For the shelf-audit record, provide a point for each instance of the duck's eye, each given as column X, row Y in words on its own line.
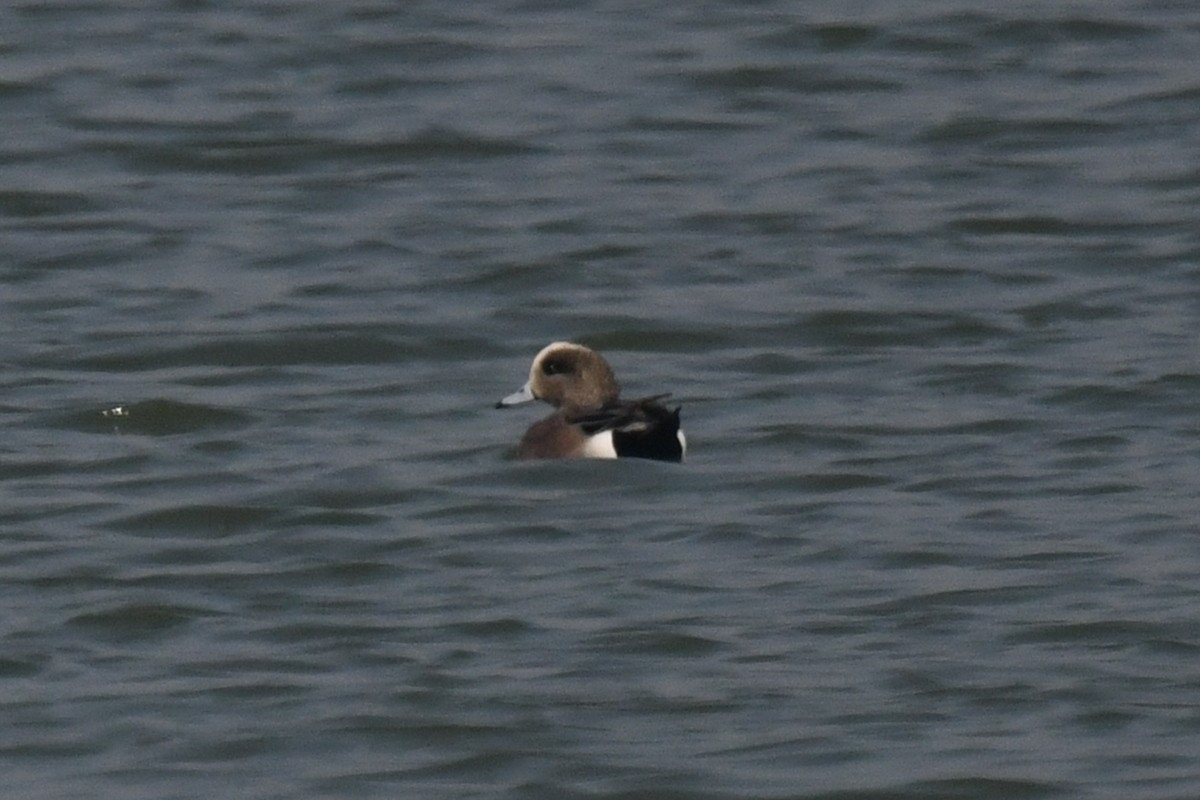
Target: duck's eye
column 555, row 367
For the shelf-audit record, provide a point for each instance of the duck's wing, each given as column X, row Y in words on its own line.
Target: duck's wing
column 628, row 415
column 642, row 428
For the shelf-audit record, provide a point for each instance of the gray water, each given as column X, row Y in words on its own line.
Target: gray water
column 924, row 276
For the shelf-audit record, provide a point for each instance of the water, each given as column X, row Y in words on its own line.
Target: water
column 924, row 277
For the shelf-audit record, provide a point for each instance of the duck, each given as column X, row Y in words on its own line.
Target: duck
column 590, row 420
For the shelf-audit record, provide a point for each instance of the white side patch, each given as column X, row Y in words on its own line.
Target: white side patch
column 600, row 446
column 682, row 443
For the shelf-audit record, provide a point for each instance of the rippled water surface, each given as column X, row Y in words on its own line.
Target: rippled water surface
column 924, row 276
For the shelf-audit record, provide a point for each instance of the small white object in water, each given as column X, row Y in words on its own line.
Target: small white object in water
column 119, row 411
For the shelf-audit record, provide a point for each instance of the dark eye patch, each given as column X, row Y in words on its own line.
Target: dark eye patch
column 556, row 366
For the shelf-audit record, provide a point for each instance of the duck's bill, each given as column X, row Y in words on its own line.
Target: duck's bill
column 523, row 396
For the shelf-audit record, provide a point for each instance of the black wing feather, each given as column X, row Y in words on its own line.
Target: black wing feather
column 643, row 428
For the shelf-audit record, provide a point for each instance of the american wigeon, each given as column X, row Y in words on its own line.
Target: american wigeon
column 590, row 420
